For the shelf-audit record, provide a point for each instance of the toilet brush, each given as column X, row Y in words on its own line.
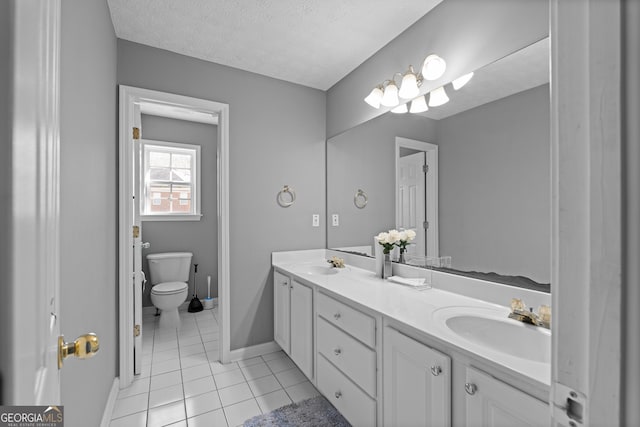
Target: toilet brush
column 195, row 305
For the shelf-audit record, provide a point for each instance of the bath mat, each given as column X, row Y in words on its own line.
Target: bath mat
column 313, row 412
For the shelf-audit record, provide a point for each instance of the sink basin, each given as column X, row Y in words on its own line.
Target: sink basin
column 492, row 329
column 320, row 270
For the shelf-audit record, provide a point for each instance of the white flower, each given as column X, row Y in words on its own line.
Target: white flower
column 394, row 236
column 382, row 237
column 410, row 235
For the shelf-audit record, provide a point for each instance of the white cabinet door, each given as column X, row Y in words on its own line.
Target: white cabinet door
column 281, row 311
column 302, row 327
column 417, row 383
column 492, row 403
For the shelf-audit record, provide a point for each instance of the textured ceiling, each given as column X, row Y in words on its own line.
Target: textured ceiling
column 311, row 42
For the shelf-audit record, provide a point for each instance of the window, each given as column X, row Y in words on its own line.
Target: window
column 170, row 187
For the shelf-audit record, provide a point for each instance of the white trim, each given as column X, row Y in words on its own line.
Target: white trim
column 128, row 97
column 254, row 351
column 111, row 403
column 586, row 209
column 431, row 151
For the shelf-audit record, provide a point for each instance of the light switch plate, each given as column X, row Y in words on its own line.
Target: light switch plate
column 335, row 220
column 315, row 221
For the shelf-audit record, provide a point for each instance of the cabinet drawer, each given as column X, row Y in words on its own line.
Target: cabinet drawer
column 352, row 357
column 358, row 324
column 354, row 404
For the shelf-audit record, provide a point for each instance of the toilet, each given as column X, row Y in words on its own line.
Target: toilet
column 169, row 276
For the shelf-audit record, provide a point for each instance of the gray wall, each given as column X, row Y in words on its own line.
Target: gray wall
column 277, row 138
column 495, row 186
column 5, row 192
column 198, row 237
column 364, row 158
column 468, row 34
column 88, row 206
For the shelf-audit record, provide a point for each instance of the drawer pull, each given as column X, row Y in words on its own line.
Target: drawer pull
column 470, row 388
column 336, row 316
column 436, row 370
column 284, row 283
column 338, row 394
column 337, row 351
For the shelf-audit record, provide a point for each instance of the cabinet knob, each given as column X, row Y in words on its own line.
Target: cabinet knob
column 284, row 283
column 336, row 316
column 337, row 351
column 338, row 394
column 436, row 370
column 470, row 388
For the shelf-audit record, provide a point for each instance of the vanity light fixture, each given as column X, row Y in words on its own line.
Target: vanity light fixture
column 438, row 97
column 461, row 81
column 400, row 109
column 418, row 105
column 387, row 93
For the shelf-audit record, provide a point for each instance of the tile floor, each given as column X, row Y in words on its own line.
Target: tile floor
column 183, row 384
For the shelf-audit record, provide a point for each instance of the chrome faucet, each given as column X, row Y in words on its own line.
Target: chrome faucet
column 520, row 313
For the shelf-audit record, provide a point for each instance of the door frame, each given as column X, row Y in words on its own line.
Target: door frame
column 431, row 187
column 128, row 97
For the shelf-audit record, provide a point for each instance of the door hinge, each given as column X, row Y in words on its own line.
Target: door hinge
column 425, row 225
column 136, row 133
column 425, row 168
column 136, row 331
column 136, row 231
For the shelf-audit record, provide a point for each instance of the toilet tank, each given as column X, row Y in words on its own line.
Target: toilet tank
column 169, row 267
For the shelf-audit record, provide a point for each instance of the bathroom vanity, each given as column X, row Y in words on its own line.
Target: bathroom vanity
column 388, row 355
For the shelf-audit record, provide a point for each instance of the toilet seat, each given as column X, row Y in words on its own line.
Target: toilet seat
column 169, row 288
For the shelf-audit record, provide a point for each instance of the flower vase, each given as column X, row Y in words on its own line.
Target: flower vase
column 386, row 268
column 401, row 259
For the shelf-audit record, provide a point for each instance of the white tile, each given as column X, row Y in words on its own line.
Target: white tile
column 202, row 403
column 276, row 355
column 217, row 367
column 291, row 377
column 209, row 419
column 199, row 386
column 234, row 394
column 240, row 412
column 165, row 345
column 138, row 386
column 130, row 405
column 206, row 337
column 226, row 379
column 188, row 350
column 301, row 391
column 195, row 372
column 254, row 372
column 194, row 360
column 182, row 423
column 135, row 420
column 166, row 366
column 213, row 356
column 250, row 362
column 167, row 414
column 165, row 395
column 274, row 400
column 264, row 385
column 212, row 345
column 165, row 380
column 145, row 371
column 161, row 356
column 279, row 365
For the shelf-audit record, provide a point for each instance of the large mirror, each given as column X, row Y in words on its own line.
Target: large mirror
column 483, row 196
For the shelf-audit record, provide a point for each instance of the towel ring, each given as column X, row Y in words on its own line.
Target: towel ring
column 286, row 197
column 360, row 199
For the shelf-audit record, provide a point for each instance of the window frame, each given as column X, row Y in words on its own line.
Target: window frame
column 196, row 182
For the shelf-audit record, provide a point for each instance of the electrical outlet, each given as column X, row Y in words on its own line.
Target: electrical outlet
column 315, row 222
column 335, row 220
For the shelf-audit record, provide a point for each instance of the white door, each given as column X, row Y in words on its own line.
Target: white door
column 417, row 383
column 302, row 327
column 136, row 262
column 412, row 213
column 492, row 403
column 281, row 311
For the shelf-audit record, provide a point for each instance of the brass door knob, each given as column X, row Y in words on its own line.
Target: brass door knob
column 84, row 347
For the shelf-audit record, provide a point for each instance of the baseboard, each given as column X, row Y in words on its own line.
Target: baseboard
column 111, row 402
column 253, row 351
column 148, row 310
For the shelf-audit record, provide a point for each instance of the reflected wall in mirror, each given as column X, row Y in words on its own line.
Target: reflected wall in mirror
column 493, row 173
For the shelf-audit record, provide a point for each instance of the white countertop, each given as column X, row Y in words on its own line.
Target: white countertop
column 414, row 308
